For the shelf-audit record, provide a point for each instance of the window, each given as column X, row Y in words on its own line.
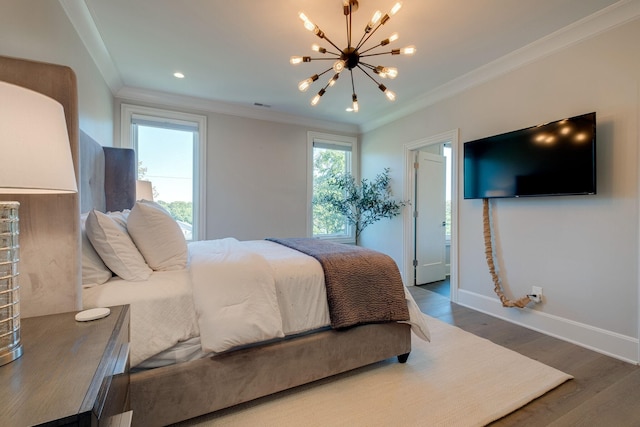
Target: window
column 170, row 151
column 330, row 155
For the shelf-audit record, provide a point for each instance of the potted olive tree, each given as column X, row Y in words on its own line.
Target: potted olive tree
column 363, row 203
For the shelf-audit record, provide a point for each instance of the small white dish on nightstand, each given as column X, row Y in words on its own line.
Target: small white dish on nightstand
column 92, row 314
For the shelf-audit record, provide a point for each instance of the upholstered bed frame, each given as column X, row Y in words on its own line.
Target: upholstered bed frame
column 174, row 393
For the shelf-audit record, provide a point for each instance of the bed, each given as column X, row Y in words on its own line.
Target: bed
column 184, row 364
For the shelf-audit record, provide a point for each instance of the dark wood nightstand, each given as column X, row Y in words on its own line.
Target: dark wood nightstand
column 71, row 373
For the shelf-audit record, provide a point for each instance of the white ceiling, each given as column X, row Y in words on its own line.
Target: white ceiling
column 236, row 52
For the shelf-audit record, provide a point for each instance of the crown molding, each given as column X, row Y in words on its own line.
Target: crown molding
column 608, row 18
column 78, row 13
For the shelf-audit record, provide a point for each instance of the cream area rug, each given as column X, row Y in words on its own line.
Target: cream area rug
column 458, row 379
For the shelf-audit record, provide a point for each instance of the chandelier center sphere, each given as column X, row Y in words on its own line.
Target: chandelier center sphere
column 351, row 57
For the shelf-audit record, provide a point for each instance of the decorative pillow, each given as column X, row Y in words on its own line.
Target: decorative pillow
column 94, row 272
column 112, row 242
column 158, row 236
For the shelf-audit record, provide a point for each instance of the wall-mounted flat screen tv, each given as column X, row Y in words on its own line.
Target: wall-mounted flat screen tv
column 553, row 159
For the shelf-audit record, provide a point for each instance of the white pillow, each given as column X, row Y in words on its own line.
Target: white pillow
column 112, row 242
column 94, row 272
column 158, row 236
column 120, row 217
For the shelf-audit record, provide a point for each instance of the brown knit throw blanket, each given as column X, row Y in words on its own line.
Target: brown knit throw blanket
column 363, row 286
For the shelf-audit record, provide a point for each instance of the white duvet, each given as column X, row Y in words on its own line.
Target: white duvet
column 233, row 293
column 236, row 290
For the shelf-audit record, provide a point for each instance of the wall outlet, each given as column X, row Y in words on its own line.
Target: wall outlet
column 536, row 294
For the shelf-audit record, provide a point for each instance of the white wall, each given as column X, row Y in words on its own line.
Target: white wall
column 257, row 178
column 583, row 250
column 40, row 31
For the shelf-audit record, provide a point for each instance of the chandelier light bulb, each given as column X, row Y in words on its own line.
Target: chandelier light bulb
column 393, row 37
column 316, row 98
column 333, row 79
column 307, row 22
column 390, row 72
column 396, row 7
column 374, row 21
column 409, row 50
column 295, row 60
column 338, row 66
column 318, row 48
column 355, row 105
column 391, row 96
column 304, row 85
column 386, row 72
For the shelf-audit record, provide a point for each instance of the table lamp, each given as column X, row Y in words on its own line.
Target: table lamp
column 36, row 159
column 144, row 190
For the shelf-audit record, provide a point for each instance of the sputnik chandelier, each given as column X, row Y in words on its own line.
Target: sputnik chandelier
column 351, row 56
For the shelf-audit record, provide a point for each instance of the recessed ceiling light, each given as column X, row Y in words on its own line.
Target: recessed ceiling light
column 178, row 75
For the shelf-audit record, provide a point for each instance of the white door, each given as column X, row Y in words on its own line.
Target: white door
column 430, row 218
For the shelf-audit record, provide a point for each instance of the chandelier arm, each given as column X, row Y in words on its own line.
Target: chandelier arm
column 323, row 59
column 353, row 86
column 360, row 43
column 371, row 48
column 368, row 36
column 347, row 20
column 330, row 53
column 376, row 54
column 332, row 43
column 325, row 71
column 368, row 75
column 371, row 67
column 327, row 52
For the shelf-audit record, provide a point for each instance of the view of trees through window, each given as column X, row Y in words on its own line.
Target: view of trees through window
column 327, row 163
column 165, row 157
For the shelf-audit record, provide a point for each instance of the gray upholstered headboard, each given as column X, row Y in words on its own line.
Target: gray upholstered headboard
column 107, row 176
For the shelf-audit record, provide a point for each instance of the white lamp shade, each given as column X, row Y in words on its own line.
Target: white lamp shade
column 144, row 190
column 35, row 154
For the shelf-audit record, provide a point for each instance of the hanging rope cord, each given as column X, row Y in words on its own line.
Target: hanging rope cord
column 488, row 252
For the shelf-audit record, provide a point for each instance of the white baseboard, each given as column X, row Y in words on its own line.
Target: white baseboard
column 606, row 342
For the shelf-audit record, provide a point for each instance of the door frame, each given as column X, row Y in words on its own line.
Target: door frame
column 410, row 148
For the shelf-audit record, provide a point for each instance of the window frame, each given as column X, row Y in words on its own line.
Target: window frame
column 329, row 139
column 159, row 115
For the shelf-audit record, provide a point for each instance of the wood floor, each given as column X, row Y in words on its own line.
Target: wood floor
column 604, row 392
